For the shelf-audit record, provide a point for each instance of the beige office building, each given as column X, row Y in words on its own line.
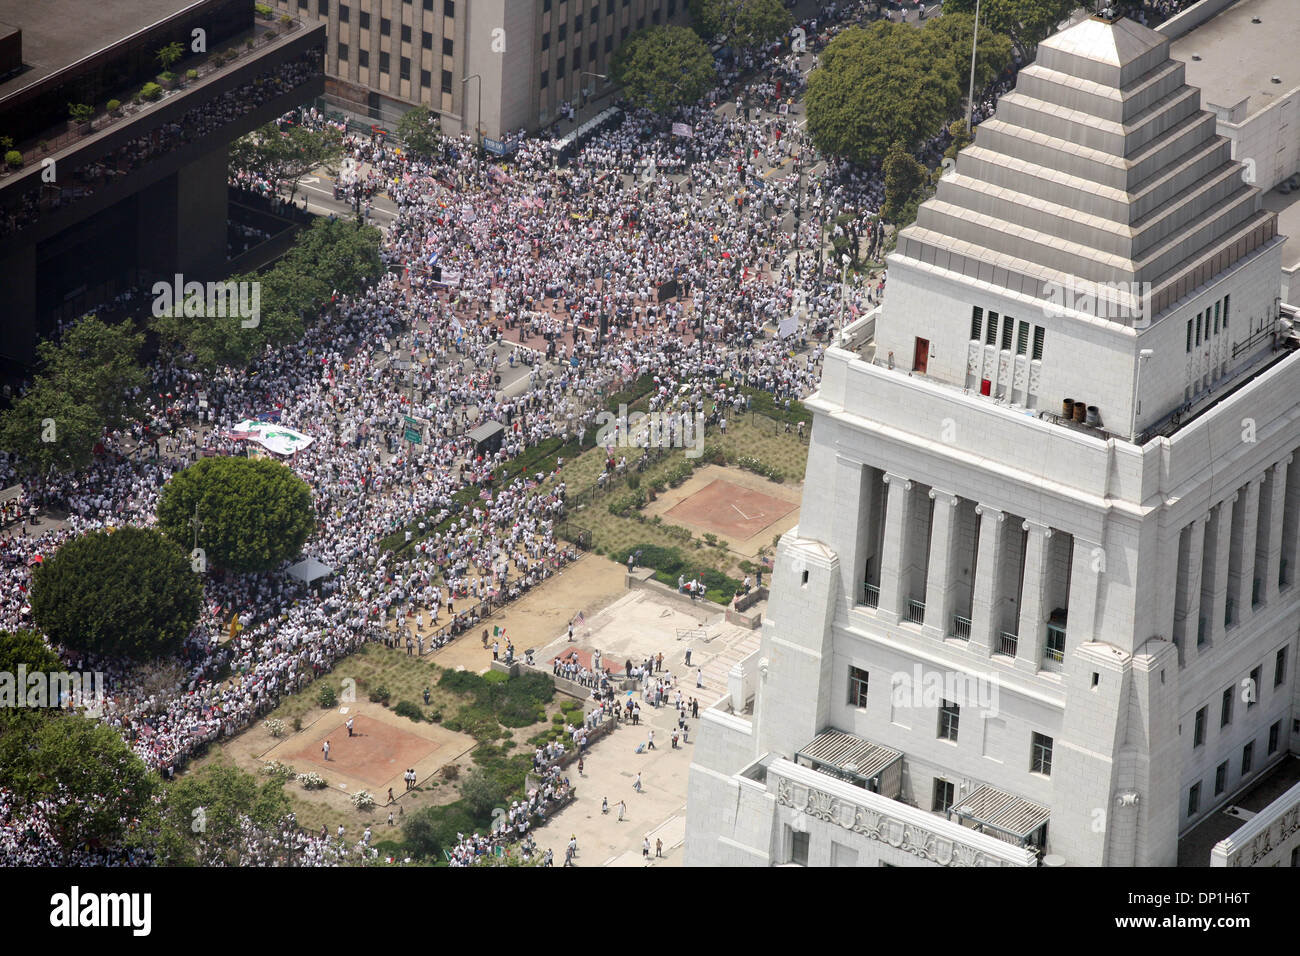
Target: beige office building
column 504, row 65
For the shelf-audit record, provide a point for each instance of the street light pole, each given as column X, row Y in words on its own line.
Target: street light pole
column 478, row 116
column 844, row 288
column 599, row 76
column 1143, row 355
column 970, row 100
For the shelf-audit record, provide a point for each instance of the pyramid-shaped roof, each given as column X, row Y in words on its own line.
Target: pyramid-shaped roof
column 1099, row 167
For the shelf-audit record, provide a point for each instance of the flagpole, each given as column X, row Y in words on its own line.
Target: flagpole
column 970, row 100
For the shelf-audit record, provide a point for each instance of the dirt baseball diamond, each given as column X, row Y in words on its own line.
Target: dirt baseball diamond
column 731, row 510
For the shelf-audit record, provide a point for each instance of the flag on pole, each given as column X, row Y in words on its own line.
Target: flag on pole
column 581, row 618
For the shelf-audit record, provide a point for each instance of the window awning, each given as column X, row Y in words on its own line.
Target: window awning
column 1005, row 813
column 853, row 758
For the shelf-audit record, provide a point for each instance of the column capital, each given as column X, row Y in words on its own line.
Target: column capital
column 943, row 496
column 1035, row 527
column 889, row 479
column 1284, row 461
column 1230, row 499
column 996, row 514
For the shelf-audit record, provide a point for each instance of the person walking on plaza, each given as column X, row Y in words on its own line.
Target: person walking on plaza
column 326, row 749
column 650, row 741
column 350, row 733
column 604, row 804
column 699, row 677
column 659, row 847
column 390, row 795
column 645, row 848
column 622, row 809
column 636, row 784
column 495, row 648
column 688, row 657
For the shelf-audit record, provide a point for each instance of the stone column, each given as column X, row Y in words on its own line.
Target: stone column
column 1087, row 571
column 938, row 586
column 1033, row 618
column 1192, row 587
column 897, row 513
column 1273, row 548
column 1219, row 595
column 1249, row 534
column 984, row 628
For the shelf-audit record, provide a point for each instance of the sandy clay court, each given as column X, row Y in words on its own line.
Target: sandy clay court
column 738, row 512
column 384, row 747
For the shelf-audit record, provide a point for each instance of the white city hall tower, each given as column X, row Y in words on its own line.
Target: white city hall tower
column 1041, row 605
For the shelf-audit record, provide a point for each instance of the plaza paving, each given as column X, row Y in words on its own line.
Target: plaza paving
column 635, row 626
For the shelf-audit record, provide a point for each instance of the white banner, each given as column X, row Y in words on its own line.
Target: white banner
column 272, row 437
column 682, row 129
column 789, row 325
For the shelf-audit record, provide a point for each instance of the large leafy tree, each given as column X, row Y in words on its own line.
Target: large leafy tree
column 87, row 381
column 746, row 23
column 418, row 130
column 330, row 256
column 1026, row 22
column 129, row 592
column 99, row 790
column 253, row 513
column 662, row 68
column 216, row 815
column 877, row 86
column 285, row 156
column 892, row 83
column 949, row 36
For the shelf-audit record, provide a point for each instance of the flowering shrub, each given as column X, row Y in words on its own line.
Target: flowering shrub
column 281, row 771
column 363, row 800
column 275, row 726
column 311, row 781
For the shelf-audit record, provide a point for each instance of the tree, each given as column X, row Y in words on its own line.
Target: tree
column 98, row 788
column 48, row 428
column 418, row 130
column 877, row 86
column 253, row 513
column 218, row 816
column 892, row 83
column 1026, row 22
column 97, row 365
column 950, row 36
column 129, row 592
column 428, row 832
column 744, row 23
column 339, row 255
column 904, row 184
column 286, row 157
column 28, row 649
column 662, row 68
column 85, row 386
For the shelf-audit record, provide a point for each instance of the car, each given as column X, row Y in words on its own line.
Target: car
column 1285, row 188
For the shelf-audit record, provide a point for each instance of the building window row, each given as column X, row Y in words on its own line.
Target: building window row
column 1206, row 324
column 987, row 322
column 1247, row 764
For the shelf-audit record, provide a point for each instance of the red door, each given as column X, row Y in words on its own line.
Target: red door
column 921, row 356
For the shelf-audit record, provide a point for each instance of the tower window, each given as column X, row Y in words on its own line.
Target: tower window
column 976, row 322
column 1039, row 332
